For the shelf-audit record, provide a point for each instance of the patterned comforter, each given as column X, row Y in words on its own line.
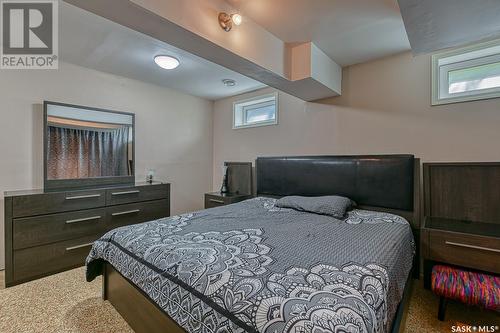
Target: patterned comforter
column 253, row 267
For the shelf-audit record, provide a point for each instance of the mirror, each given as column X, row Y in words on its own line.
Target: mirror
column 87, row 146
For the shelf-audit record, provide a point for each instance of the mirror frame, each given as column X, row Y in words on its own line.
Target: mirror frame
column 56, row 184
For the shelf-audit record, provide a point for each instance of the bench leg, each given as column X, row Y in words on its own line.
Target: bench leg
column 442, row 308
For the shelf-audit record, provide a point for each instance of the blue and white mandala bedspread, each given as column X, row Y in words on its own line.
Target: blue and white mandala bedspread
column 253, row 267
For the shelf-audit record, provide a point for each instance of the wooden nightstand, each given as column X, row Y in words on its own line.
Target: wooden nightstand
column 473, row 245
column 216, row 199
column 239, row 185
column 462, row 217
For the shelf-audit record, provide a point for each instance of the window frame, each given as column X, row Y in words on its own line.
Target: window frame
column 244, row 111
column 462, row 58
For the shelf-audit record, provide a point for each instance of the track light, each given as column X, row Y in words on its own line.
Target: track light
column 226, row 21
column 236, row 18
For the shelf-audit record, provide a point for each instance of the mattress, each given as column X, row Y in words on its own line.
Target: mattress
column 254, row 267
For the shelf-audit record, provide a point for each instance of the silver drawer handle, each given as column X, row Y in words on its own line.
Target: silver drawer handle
column 83, row 219
column 83, row 197
column 216, row 201
column 472, row 246
column 125, row 193
column 127, row 212
column 76, row 247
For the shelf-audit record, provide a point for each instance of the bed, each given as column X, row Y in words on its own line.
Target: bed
column 256, row 267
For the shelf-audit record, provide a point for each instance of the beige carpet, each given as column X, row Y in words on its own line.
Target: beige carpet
column 65, row 303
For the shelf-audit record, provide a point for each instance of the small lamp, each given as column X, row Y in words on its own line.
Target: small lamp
column 224, row 187
column 150, row 175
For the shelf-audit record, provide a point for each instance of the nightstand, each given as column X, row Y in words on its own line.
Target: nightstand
column 462, row 217
column 473, row 245
column 216, row 199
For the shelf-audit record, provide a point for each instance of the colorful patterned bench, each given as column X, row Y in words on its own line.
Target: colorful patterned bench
column 468, row 287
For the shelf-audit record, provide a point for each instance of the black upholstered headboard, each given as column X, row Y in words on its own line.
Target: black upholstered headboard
column 385, row 181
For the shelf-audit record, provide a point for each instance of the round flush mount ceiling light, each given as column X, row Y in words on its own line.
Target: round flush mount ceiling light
column 167, row 62
column 229, row 82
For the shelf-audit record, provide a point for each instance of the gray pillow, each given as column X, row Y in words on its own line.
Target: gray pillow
column 331, row 205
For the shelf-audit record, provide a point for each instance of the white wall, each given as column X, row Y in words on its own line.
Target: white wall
column 385, row 108
column 173, row 130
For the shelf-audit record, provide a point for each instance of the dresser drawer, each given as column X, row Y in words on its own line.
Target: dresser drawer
column 46, row 229
column 122, row 215
column 216, row 200
column 48, row 203
column 123, row 195
column 212, row 201
column 47, row 259
column 476, row 252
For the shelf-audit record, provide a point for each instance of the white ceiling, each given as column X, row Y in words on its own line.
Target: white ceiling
column 433, row 25
column 349, row 31
column 91, row 41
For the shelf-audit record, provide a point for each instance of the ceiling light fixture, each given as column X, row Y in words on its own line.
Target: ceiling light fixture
column 237, row 19
column 226, row 21
column 229, row 82
column 167, row 62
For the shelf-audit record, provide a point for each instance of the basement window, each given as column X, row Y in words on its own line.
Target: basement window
column 466, row 74
column 257, row 111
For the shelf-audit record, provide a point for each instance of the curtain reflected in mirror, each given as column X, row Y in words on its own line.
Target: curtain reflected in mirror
column 88, row 144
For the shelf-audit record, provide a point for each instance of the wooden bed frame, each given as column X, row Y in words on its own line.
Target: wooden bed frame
column 144, row 316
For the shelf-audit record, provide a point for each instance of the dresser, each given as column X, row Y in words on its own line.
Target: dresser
column 462, row 217
column 49, row 232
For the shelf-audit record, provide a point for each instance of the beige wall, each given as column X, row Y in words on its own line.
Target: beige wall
column 384, row 108
column 173, row 130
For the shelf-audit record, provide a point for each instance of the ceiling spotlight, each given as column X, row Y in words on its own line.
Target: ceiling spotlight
column 167, row 62
column 226, row 21
column 236, row 18
column 229, row 82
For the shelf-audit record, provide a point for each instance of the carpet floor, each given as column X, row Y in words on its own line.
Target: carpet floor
column 65, row 303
